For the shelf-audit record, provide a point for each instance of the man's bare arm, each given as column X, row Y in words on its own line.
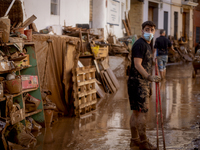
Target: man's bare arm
column 142, row 71
column 154, row 50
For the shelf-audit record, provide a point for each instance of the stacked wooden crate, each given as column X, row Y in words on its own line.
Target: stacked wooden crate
column 84, row 90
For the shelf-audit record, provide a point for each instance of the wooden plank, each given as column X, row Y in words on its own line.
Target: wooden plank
column 100, row 75
column 110, row 82
column 86, row 82
column 34, row 27
column 113, row 78
column 100, row 92
column 14, row 24
column 85, row 71
column 104, row 64
column 33, row 113
column 106, row 82
column 87, row 93
column 18, row 25
column 28, row 21
column 127, row 30
column 128, row 23
column 103, row 51
column 88, row 104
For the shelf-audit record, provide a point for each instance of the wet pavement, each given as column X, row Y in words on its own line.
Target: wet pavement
column 108, row 127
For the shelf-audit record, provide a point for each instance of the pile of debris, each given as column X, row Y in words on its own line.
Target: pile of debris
column 184, row 53
column 93, row 78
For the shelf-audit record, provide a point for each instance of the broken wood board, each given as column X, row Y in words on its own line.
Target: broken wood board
column 28, row 21
column 34, row 27
column 105, row 82
column 100, row 76
column 128, row 23
column 100, row 92
column 18, row 25
column 125, row 25
column 108, row 82
column 113, row 78
column 105, row 64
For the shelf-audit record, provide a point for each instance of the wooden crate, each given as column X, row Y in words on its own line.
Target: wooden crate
column 84, row 90
column 103, row 51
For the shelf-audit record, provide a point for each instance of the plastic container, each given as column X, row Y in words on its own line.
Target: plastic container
column 28, row 33
column 20, row 30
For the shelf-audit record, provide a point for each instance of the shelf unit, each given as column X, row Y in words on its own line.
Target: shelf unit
column 37, row 115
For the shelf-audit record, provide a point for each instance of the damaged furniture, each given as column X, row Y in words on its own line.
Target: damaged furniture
column 17, row 82
column 84, row 90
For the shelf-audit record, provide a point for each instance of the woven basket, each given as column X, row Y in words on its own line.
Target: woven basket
column 15, row 14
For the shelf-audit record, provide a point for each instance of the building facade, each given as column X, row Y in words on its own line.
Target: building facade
column 108, row 14
column 56, row 12
column 196, row 28
column 175, row 16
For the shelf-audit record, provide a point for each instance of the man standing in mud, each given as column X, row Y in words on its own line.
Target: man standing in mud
column 139, row 86
column 161, row 45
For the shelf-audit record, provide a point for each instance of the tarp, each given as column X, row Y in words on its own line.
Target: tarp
column 56, row 56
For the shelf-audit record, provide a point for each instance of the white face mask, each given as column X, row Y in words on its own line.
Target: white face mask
column 148, row 36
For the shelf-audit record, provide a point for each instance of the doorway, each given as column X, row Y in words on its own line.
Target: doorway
column 153, row 13
column 186, row 22
column 166, row 22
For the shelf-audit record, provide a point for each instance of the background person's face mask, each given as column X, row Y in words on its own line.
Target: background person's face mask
column 148, row 36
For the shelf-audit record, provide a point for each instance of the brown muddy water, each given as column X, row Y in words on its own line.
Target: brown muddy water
column 108, row 128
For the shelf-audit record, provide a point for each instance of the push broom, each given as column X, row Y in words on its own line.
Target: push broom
column 161, row 116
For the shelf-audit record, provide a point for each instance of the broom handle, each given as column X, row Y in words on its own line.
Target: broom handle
column 161, row 116
column 9, row 8
column 157, row 125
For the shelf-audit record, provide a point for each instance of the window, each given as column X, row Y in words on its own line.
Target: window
column 122, row 14
column 166, row 22
column 55, row 7
column 175, row 25
column 197, row 34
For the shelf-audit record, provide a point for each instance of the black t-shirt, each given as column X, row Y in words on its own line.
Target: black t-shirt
column 162, row 44
column 141, row 49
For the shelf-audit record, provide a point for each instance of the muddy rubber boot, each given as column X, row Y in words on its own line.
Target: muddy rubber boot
column 135, row 143
column 146, row 145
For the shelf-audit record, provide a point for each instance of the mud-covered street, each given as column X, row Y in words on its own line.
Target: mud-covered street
column 108, row 128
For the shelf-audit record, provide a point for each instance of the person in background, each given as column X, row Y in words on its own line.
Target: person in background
column 197, row 47
column 139, row 87
column 161, row 45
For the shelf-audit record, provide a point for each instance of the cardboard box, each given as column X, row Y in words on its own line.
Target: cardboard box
column 29, row 82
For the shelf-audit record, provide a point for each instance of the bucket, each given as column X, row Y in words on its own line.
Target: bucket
column 20, row 30
column 5, row 27
column 28, row 33
column 48, row 117
column 14, row 86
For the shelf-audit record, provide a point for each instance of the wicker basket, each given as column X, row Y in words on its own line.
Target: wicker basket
column 15, row 14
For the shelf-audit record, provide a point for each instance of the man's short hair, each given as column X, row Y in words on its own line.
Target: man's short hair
column 162, row 31
column 148, row 23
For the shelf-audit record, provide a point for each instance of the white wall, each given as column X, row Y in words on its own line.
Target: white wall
column 100, row 18
column 145, row 9
column 76, row 11
column 165, row 7
column 177, row 9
